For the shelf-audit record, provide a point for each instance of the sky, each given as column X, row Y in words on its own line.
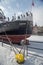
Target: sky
column 10, row 7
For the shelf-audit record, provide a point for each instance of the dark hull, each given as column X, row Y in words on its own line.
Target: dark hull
column 15, row 31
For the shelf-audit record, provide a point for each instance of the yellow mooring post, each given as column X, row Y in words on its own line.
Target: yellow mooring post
column 19, row 58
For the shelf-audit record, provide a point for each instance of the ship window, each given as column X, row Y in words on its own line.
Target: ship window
column 27, row 14
column 21, row 15
column 24, row 15
column 18, row 17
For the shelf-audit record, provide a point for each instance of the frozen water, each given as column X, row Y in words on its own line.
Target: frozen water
column 36, row 38
column 7, row 56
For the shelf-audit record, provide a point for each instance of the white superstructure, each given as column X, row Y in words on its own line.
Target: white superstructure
column 3, row 19
column 25, row 16
column 2, row 16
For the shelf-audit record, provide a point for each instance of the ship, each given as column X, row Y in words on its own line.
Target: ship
column 17, row 28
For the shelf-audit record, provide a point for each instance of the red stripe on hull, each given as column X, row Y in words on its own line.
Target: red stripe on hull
column 14, row 38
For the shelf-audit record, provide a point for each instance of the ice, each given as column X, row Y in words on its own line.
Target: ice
column 7, row 55
column 36, row 38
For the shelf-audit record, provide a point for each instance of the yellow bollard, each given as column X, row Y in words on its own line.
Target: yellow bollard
column 19, row 58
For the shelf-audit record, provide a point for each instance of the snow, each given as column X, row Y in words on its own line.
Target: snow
column 34, row 56
column 36, row 38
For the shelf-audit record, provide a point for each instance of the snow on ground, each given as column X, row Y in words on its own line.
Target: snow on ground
column 34, row 56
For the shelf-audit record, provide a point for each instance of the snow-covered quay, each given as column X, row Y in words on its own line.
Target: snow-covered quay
column 34, row 54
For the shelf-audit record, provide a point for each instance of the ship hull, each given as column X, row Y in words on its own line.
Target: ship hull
column 15, row 31
column 13, row 38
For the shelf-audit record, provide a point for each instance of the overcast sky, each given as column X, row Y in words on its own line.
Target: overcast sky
column 10, row 7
